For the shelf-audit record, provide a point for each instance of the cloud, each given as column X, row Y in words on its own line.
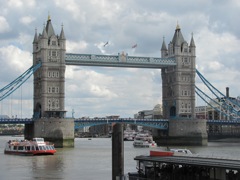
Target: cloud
column 99, row 91
column 27, row 20
column 4, row 25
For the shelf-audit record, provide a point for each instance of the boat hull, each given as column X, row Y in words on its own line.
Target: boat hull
column 30, row 153
column 161, row 153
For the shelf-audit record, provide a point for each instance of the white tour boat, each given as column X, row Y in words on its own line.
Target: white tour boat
column 144, row 140
column 25, row 147
column 181, row 151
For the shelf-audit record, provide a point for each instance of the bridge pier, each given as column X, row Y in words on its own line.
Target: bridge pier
column 186, row 132
column 60, row 131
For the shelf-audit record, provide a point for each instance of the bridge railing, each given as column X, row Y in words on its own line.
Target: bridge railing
column 154, row 123
column 16, row 121
column 120, row 60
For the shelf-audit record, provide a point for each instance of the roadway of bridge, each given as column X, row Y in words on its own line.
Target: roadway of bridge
column 107, row 121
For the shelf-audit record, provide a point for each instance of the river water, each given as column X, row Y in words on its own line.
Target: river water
column 90, row 160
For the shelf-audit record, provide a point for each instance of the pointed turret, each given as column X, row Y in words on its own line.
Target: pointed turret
column 44, row 33
column 177, row 40
column 192, row 43
column 164, row 48
column 177, row 36
column 35, row 37
column 192, row 46
column 62, row 35
column 49, row 28
column 35, row 41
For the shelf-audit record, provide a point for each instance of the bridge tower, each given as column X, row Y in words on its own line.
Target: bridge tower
column 49, row 89
column 178, row 92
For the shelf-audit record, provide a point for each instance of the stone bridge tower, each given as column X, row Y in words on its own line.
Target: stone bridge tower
column 178, row 82
column 49, row 89
column 178, row 93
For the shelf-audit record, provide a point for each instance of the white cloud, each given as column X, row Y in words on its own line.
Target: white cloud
column 27, row 20
column 14, row 59
column 4, row 25
column 76, row 46
column 21, row 3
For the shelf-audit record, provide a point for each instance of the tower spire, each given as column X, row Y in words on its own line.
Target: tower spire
column 49, row 17
column 192, row 43
column 178, row 27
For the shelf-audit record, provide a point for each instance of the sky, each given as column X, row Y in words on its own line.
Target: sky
column 89, row 24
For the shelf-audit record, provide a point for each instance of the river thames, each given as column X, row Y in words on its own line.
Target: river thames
column 90, row 160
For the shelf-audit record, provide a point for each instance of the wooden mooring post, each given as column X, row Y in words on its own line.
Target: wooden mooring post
column 117, row 152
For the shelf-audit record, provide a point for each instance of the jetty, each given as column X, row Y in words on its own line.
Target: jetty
column 186, row 167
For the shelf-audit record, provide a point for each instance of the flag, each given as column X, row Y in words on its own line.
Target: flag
column 134, row 46
column 105, row 44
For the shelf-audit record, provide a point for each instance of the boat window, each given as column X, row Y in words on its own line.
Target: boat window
column 14, row 147
column 37, row 148
column 33, row 148
column 28, row 148
column 20, row 147
column 40, row 147
column 43, row 148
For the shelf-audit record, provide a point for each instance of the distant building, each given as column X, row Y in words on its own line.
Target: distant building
column 217, row 108
column 155, row 113
column 4, row 117
column 201, row 112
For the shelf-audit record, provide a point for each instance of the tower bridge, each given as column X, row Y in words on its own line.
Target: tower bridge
column 178, row 69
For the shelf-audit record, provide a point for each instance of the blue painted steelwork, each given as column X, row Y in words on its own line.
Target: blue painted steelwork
column 17, row 121
column 223, row 122
column 199, row 92
column 229, row 107
column 120, row 60
column 80, row 123
column 14, row 85
column 154, row 123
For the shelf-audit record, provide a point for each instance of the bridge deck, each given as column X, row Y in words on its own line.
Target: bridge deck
column 120, row 60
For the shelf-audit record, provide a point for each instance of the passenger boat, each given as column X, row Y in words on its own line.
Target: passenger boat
column 181, row 151
column 25, row 147
column 129, row 135
column 144, row 140
column 171, row 152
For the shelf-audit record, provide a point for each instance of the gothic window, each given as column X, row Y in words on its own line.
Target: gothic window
column 57, row 89
column 53, row 104
column 49, row 104
column 54, row 53
column 53, row 89
column 57, row 103
column 57, row 74
column 54, row 43
column 53, row 74
column 49, row 74
column 49, row 89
